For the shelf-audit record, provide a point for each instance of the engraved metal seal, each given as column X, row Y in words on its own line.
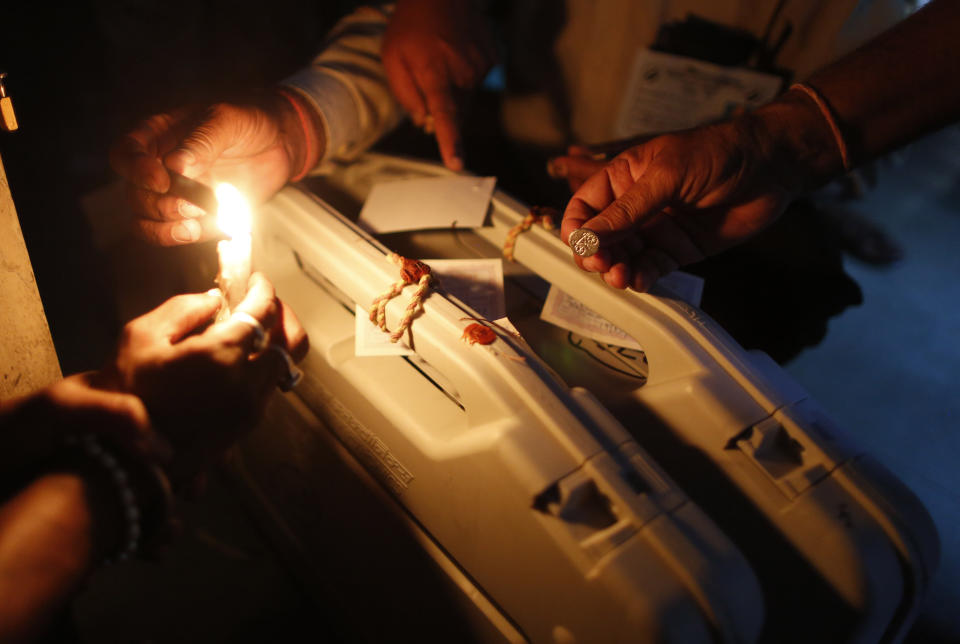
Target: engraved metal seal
column 584, row 242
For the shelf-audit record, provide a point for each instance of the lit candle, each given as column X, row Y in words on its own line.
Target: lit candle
column 234, row 219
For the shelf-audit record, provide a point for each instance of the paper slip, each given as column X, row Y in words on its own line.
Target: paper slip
column 568, row 313
column 371, row 341
column 667, row 93
column 414, row 204
column 571, row 314
column 478, row 283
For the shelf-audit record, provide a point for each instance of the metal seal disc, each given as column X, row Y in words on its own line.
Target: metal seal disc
column 584, row 242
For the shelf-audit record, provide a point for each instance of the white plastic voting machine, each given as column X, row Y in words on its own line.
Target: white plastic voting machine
column 551, row 488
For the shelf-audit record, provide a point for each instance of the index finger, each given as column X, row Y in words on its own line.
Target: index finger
column 181, row 315
column 437, row 88
column 404, row 87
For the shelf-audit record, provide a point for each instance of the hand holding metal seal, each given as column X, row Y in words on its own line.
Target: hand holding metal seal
column 584, row 242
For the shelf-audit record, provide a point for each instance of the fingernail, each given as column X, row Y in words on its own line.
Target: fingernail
column 455, row 164
column 189, row 210
column 186, row 231
column 214, row 292
column 188, row 157
column 557, row 169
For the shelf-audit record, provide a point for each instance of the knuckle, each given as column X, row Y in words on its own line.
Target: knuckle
column 154, row 232
column 272, row 310
column 157, row 124
column 619, row 215
column 221, row 112
column 621, row 167
column 133, row 332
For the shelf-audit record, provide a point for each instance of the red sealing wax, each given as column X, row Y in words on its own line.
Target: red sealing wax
column 478, row 333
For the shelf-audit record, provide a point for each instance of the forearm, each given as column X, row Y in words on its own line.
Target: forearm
column 898, row 86
column 51, row 533
column 346, row 88
column 894, row 89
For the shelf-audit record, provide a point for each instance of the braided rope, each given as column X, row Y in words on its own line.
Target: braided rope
column 413, row 307
column 378, row 309
column 411, row 272
column 541, row 214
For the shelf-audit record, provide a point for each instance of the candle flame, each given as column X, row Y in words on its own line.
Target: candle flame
column 233, row 211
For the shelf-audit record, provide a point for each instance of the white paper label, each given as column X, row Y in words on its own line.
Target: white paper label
column 371, row 341
column 416, row 204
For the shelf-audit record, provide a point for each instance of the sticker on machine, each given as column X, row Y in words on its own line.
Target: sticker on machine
column 421, row 204
column 370, row 340
column 571, row 314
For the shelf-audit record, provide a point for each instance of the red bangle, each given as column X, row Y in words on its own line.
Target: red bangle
column 305, row 125
column 829, row 118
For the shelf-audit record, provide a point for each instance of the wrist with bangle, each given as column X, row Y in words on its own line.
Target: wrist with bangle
column 801, row 146
column 829, row 118
column 302, row 132
column 140, row 495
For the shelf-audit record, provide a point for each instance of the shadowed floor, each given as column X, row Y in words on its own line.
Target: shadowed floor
column 887, row 370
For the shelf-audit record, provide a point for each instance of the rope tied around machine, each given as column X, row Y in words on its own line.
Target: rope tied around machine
column 538, row 214
column 411, row 272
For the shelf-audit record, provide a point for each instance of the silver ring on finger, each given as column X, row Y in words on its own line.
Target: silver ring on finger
column 260, row 335
column 293, row 376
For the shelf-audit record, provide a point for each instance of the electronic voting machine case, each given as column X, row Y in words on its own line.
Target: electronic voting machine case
column 536, row 490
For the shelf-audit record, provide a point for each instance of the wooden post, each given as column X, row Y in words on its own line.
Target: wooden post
column 28, row 360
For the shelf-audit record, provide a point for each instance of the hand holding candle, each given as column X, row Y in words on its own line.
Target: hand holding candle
column 234, row 219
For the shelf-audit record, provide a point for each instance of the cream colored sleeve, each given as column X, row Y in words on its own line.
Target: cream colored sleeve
column 347, row 86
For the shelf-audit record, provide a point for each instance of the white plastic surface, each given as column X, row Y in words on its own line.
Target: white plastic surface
column 813, row 490
column 542, row 498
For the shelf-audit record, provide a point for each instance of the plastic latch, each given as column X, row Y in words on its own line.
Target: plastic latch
column 785, row 459
column 576, row 499
column 586, row 513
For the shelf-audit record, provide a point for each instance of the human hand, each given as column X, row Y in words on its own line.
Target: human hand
column 583, row 161
column 38, row 424
column 676, row 199
column 256, row 147
column 205, row 384
column 431, row 49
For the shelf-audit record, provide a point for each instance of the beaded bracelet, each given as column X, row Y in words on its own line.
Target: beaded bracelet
column 121, row 478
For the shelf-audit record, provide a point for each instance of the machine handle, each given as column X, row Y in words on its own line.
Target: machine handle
column 679, row 340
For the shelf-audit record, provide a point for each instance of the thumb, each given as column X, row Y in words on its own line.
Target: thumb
column 643, row 199
column 182, row 314
column 201, row 148
column 575, row 169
